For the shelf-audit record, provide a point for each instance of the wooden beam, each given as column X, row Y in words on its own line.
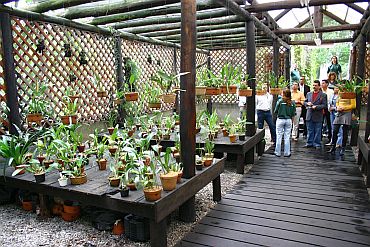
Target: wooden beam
column 199, row 29
column 318, row 18
column 290, row 4
column 85, row 27
column 44, row 6
column 356, row 8
column 365, row 30
column 177, row 25
column 304, row 22
column 155, row 20
column 187, row 83
column 334, row 17
column 360, row 73
column 282, row 13
column 165, row 9
column 208, row 33
column 320, row 29
column 9, row 73
column 325, row 41
column 236, row 9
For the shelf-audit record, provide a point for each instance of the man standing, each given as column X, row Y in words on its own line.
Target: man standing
column 329, row 94
column 315, row 102
column 304, row 89
column 263, row 107
column 298, row 98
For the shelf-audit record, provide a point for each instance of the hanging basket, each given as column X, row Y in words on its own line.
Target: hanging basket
column 232, row 89
column 168, row 98
column 245, row 92
column 69, row 119
column 34, row 118
column 347, row 95
column 102, row 94
column 260, row 92
column 74, row 97
column 132, row 96
column 275, row 91
column 200, row 90
column 157, row 105
column 212, row 91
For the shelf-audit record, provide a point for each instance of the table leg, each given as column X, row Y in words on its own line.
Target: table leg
column 216, row 183
column 187, row 210
column 158, row 233
column 240, row 163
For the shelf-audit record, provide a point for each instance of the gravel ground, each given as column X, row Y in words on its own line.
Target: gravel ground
column 21, row 228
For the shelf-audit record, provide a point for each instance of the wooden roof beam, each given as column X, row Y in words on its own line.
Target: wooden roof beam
column 176, row 25
column 236, row 9
column 334, row 17
column 319, row 29
column 356, row 8
column 282, row 13
column 325, row 41
column 44, row 6
column 221, row 32
column 290, row 4
column 155, row 11
column 304, row 22
column 365, row 30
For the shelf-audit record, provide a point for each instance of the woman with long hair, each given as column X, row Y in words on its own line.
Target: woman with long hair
column 285, row 111
column 335, row 67
column 332, row 80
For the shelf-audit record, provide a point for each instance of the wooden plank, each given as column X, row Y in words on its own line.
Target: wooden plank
column 199, row 239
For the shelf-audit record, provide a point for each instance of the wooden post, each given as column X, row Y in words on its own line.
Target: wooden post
column 209, row 101
column 9, row 72
column 251, row 70
column 318, row 18
column 353, row 59
column 287, row 64
column 118, row 57
column 275, row 69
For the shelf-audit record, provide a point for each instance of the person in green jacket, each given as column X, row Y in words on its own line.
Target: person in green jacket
column 335, row 67
column 285, row 111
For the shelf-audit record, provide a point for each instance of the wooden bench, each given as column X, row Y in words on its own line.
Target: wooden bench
column 97, row 192
column 364, row 159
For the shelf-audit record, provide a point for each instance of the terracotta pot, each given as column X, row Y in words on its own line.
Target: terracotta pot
column 155, row 105
column 102, row 164
column 39, row 178
column 232, row 89
column 152, row 194
column 27, row 205
column 81, row 148
column 69, row 217
column 57, row 209
column 21, row 172
column 365, row 89
column 260, row 92
column 112, row 149
column 71, row 209
column 232, row 138
column 275, row 91
column 110, row 130
column 47, row 163
column 168, row 98
column 209, row 155
column 102, row 94
column 169, row 181
column 225, row 133
column 347, row 95
column 114, row 182
column 147, row 160
column 179, row 176
column 79, row 180
column 212, row 91
column 118, row 228
column 200, row 90
column 69, row 119
column 131, row 186
column 34, row 118
column 132, row 96
column 41, row 158
column 245, row 92
column 131, row 133
column 208, row 161
column 118, row 101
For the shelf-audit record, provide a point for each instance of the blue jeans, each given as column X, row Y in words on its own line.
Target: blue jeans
column 314, row 133
column 283, row 127
column 266, row 116
column 340, row 135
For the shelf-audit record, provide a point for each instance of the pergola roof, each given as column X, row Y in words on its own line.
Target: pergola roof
column 218, row 26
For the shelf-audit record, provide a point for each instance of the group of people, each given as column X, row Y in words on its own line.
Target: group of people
column 321, row 108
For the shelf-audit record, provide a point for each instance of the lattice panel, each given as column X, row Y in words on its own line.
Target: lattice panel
column 3, row 117
column 263, row 62
column 367, row 72
column 282, row 51
column 53, row 68
column 161, row 58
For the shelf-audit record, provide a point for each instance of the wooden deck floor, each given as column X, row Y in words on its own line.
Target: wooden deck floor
column 309, row 199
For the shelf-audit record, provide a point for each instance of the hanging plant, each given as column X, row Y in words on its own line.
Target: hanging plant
column 40, row 46
column 159, row 62
column 72, row 77
column 83, row 58
column 67, row 50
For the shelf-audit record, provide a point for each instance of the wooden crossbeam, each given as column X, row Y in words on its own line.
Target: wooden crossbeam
column 356, row 8
column 319, row 29
column 290, row 4
column 304, row 22
column 334, row 17
column 365, row 28
column 326, row 41
column 279, row 16
column 44, row 6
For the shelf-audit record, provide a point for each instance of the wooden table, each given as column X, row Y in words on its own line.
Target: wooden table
column 97, row 192
column 363, row 159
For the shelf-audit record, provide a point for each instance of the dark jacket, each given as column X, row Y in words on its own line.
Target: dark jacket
column 321, row 102
column 306, row 90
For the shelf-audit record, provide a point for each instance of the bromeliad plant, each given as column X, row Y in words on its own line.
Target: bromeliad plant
column 33, row 167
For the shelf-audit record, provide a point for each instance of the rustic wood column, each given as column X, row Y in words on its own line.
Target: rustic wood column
column 9, row 72
column 287, row 65
column 251, row 70
column 352, row 69
column 275, row 69
column 187, row 104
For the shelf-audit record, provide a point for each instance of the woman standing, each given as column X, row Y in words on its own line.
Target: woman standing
column 343, row 118
column 333, row 113
column 335, row 67
column 332, row 80
column 285, row 111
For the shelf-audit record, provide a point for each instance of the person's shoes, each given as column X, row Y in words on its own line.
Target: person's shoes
column 317, row 147
column 287, row 155
column 341, row 152
column 277, row 155
column 338, row 146
column 329, row 144
column 307, row 146
column 332, row 150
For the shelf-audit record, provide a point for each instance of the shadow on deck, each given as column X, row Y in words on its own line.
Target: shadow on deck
column 309, row 199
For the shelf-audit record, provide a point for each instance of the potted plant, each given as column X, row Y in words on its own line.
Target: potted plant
column 124, row 189
column 100, row 151
column 244, row 89
column 168, row 177
column 166, row 82
column 62, row 180
column 212, row 84
column 149, row 184
column 260, row 88
column 35, row 168
column 241, row 128
column 152, row 97
column 349, row 88
column 37, row 106
column 112, row 121
column 200, row 88
column 276, row 84
column 232, row 133
column 69, row 111
column 76, row 171
column 132, row 74
column 229, row 78
column 115, row 177
column 101, row 92
column 226, row 124
column 208, row 156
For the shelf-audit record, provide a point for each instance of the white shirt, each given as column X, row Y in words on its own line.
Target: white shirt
column 301, row 87
column 264, row 102
column 329, row 93
column 242, row 100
